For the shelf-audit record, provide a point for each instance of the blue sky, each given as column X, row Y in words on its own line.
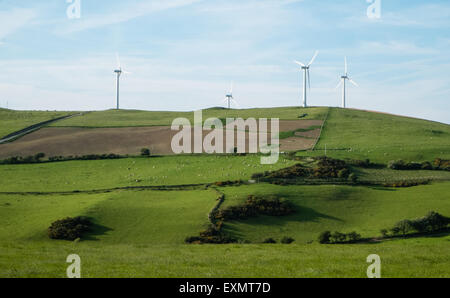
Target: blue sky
column 183, row 54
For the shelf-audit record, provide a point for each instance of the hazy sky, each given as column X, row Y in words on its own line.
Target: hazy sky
column 183, row 54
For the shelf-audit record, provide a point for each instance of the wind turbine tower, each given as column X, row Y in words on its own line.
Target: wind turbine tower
column 343, row 82
column 118, row 72
column 306, row 76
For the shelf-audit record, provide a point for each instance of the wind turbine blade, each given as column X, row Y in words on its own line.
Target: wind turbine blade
column 118, row 60
column 353, row 82
column 313, row 58
column 299, row 63
column 231, row 90
column 235, row 102
column 346, row 65
column 338, row 85
column 126, row 72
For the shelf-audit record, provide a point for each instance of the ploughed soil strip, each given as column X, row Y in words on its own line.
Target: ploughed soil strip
column 67, row 141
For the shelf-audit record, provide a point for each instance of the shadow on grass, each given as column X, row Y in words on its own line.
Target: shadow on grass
column 302, row 214
column 95, row 231
column 438, row 234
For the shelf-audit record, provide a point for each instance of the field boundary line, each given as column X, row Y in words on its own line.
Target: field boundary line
column 321, row 130
column 20, row 133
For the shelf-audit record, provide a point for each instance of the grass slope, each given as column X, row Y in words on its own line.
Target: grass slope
column 140, row 234
column 105, row 174
column 422, row 257
column 11, row 121
column 329, row 207
column 128, row 118
column 382, row 137
column 151, row 217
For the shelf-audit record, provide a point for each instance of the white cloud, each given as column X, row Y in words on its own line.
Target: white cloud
column 13, row 20
column 126, row 13
column 395, row 48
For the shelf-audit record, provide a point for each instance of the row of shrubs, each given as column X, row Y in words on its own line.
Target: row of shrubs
column 406, row 183
column 430, row 223
column 229, row 183
column 438, row 164
column 284, row 240
column 325, row 168
column 366, row 163
column 255, row 206
column 69, row 228
column 37, row 158
column 328, row 237
column 85, row 157
column 212, row 235
column 22, row 160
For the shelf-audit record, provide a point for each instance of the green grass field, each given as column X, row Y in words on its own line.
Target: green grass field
column 382, row 137
column 365, row 210
column 141, row 232
column 130, row 118
column 12, row 121
column 106, row 174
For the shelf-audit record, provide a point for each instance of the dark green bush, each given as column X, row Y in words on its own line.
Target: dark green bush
column 255, row 206
column 353, row 237
column 69, row 228
column 287, row 240
column 338, row 238
column 270, row 241
column 145, row 152
column 442, row 164
column 325, row 237
column 430, row 223
column 212, row 235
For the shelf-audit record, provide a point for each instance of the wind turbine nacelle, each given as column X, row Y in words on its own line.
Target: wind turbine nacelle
column 118, row 71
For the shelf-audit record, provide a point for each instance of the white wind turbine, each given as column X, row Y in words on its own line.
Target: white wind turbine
column 306, row 76
column 229, row 97
column 343, row 83
column 119, row 71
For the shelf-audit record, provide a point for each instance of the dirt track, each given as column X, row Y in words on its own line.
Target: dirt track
column 55, row 141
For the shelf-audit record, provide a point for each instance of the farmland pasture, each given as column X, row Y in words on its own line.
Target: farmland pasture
column 382, row 137
column 12, row 121
column 105, row 174
column 141, row 232
column 365, row 210
column 133, row 118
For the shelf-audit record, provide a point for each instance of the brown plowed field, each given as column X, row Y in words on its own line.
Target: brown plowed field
column 56, row 141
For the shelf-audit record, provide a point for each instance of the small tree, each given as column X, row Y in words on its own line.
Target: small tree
column 338, row 237
column 384, row 233
column 324, row 237
column 404, row 227
column 145, row 152
column 39, row 155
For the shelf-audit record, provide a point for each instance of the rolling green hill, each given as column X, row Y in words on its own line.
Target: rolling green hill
column 129, row 118
column 140, row 232
column 382, row 137
column 12, row 121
